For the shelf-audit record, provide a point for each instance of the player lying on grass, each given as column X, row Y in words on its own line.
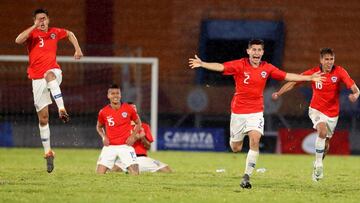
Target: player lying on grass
column 324, row 106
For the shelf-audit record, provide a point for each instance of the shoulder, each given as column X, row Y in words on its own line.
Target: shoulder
column 104, row 109
column 145, row 125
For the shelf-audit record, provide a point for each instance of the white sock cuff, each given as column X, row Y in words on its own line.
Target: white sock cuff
column 45, row 127
column 253, row 153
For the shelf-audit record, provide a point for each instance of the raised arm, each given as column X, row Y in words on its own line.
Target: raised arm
column 355, row 95
column 316, row 77
column 285, row 88
column 100, row 130
column 72, row 38
column 197, row 62
column 23, row 36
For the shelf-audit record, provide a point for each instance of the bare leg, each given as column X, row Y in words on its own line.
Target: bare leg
column 236, row 146
column 165, row 169
column 116, row 169
column 100, row 169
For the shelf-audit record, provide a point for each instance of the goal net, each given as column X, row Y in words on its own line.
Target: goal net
column 84, row 88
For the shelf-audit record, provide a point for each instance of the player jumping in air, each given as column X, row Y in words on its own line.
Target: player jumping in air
column 324, row 106
column 41, row 41
column 250, row 75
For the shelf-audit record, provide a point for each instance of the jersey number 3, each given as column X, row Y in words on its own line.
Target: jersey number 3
column 41, row 43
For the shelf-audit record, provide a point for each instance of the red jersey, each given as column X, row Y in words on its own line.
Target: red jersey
column 138, row 146
column 325, row 96
column 250, row 83
column 42, row 47
column 117, row 122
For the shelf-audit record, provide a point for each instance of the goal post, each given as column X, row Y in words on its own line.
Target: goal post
column 124, row 61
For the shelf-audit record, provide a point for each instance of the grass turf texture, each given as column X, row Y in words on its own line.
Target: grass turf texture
column 23, row 178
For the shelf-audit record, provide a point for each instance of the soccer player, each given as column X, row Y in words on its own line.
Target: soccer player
column 250, row 75
column 41, row 41
column 324, row 105
column 117, row 134
column 146, row 164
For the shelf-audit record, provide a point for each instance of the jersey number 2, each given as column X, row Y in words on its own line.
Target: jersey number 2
column 247, row 77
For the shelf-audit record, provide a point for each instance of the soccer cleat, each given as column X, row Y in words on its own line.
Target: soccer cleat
column 63, row 115
column 50, row 156
column 318, row 173
column 245, row 182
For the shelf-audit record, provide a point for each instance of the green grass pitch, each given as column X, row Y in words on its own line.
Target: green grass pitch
column 287, row 178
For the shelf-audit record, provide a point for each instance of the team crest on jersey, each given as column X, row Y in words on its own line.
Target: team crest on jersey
column 124, row 114
column 263, row 74
column 52, row 35
column 333, row 79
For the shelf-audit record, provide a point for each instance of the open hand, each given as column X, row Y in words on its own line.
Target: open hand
column 195, row 62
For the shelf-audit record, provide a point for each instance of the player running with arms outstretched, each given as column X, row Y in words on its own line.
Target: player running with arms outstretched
column 324, row 105
column 41, row 41
column 250, row 75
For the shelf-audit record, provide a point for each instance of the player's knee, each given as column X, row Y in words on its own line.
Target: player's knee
column 43, row 120
column 322, row 133
column 49, row 76
column 236, row 147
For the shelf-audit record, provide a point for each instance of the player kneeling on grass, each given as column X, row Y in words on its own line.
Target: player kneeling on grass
column 146, row 164
column 114, row 127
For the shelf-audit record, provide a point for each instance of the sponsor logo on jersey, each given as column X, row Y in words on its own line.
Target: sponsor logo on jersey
column 263, row 74
column 52, row 35
column 333, row 79
column 124, row 114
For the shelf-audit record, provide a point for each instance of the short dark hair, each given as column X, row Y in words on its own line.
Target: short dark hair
column 257, row 42
column 40, row 10
column 326, row 50
column 130, row 103
column 114, row 86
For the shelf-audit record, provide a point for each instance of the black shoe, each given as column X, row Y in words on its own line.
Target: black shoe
column 245, row 182
column 49, row 161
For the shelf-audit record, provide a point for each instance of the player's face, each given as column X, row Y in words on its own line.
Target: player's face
column 255, row 53
column 114, row 95
column 327, row 62
column 43, row 21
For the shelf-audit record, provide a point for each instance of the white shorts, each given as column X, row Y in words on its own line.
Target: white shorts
column 318, row 117
column 109, row 154
column 41, row 92
column 146, row 164
column 241, row 124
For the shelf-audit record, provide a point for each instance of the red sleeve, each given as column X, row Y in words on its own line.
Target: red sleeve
column 233, row 67
column 134, row 115
column 276, row 73
column 30, row 38
column 101, row 117
column 62, row 33
column 346, row 78
column 148, row 134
